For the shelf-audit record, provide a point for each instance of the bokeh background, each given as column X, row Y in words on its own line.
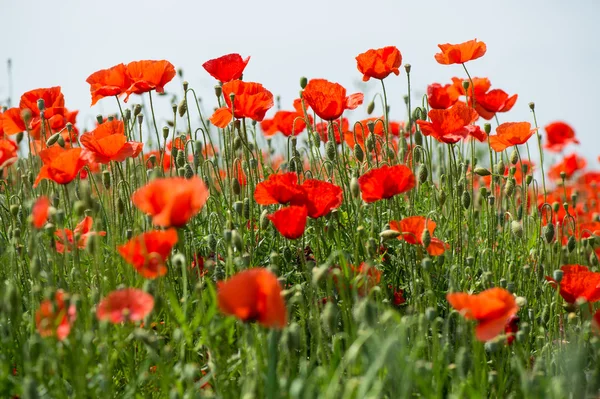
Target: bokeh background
column 546, row 51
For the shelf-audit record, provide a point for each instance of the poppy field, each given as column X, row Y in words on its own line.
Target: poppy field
column 252, row 249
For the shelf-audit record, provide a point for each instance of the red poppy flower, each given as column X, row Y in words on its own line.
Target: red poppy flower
column 149, row 75
column 268, row 127
column 511, row 329
column 109, row 82
column 368, row 277
column 65, row 238
column 442, row 97
column 198, row 265
column 60, row 165
column 155, row 154
column 281, row 189
column 290, row 221
column 449, row 125
column 398, row 297
column 289, row 123
column 55, row 317
column 253, row 295
column 322, row 129
column 171, row 201
column 488, row 104
column 321, row 197
column 328, row 99
column 108, row 143
column 379, row 63
column 578, row 282
column 128, row 304
column 558, row 135
column 39, row 212
column 385, row 182
column 492, row 309
column 460, row 53
column 226, row 68
column 148, row 252
column 511, row 133
column 8, row 152
column 477, row 86
column 251, row 100
column 54, row 113
column 569, row 165
column 412, row 229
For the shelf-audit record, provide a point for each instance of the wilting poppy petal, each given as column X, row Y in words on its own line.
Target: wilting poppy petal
column 290, row 221
column 128, row 304
column 253, row 295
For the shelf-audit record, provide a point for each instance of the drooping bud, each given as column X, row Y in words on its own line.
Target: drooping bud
column 423, row 173
column 549, row 232
column 359, row 153
column 330, row 150
column 426, row 238
column 354, row 187
column 370, row 108
column 53, row 139
column 303, row 82
column 389, row 234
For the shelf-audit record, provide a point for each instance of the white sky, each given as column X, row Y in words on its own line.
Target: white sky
column 547, row 51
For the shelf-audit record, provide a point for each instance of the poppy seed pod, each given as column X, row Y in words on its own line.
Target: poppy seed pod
column 557, row 275
column 407, row 68
column 487, row 128
column 528, row 179
column 532, row 106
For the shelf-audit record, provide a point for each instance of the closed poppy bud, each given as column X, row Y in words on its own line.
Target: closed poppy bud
column 516, row 228
column 181, row 172
column 389, row 234
column 499, row 168
column 422, row 173
column 180, row 159
column 482, row 171
column 359, row 153
column 372, row 246
column 528, row 179
column 61, row 141
column 330, row 150
column 106, row 179
column 370, row 107
column 237, row 188
column 26, row 116
column 303, row 82
column 329, row 317
column 571, row 243
column 370, row 142
column 182, row 108
column 549, row 232
column 426, row 263
column 426, row 238
column 509, row 187
column 19, row 137
column 466, row 199
column 52, row 140
column 514, row 157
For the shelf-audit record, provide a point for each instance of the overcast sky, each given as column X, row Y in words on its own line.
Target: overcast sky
column 547, row 51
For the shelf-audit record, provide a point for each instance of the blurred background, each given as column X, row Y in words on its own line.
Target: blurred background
column 546, row 51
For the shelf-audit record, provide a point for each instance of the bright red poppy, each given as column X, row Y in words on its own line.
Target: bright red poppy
column 477, row 86
column 488, row 104
column 148, row 252
column 511, row 329
column 171, row 201
column 569, row 165
column 149, row 75
column 558, row 135
column 8, row 152
column 328, row 100
column 492, row 309
column 54, row 318
column 109, row 82
column 127, row 304
column 412, row 229
column 251, row 100
column 279, row 188
column 108, row 143
column 578, row 282
column 460, row 53
column 253, row 295
column 450, row 125
column 322, row 129
column 442, row 97
column 321, row 197
column 39, row 212
column 511, row 133
column 378, row 64
column 66, row 240
column 386, row 182
column 156, row 155
column 226, row 68
column 60, row 165
column 290, row 222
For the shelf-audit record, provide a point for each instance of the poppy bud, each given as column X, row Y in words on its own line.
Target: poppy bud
column 26, row 116
column 237, row 189
column 246, row 208
column 330, row 150
column 303, row 82
column 79, row 207
column 370, row 142
column 418, row 138
column 389, row 234
column 61, row 141
column 53, row 139
column 528, row 179
column 466, row 199
column 359, row 153
column 106, row 179
column 571, row 244
column 189, row 172
column 422, row 173
column 426, row 238
column 509, row 187
column 14, row 209
column 180, row 159
column 218, row 90
column 426, row 263
column 566, row 206
column 370, row 108
column 407, row 68
column 549, row 232
column 563, row 175
column 482, row 171
column 516, row 228
column 318, row 273
column 329, row 317
column 532, row 106
column 487, row 128
column 292, row 337
column 181, row 172
column 442, row 198
column 514, row 157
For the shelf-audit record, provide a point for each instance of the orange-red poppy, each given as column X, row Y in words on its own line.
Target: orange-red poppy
column 488, row 104
column 378, row 64
column 60, row 165
column 578, row 282
column 253, row 295
column 8, row 152
column 412, row 229
column 108, row 143
column 54, row 318
column 322, row 129
column 328, row 100
column 511, row 329
column 569, row 165
column 155, row 155
column 279, row 188
column 148, row 252
column 511, row 133
column 227, row 67
column 251, row 100
column 442, row 97
column 449, row 125
column 477, row 86
column 558, row 135
column 39, row 212
column 386, row 182
column 290, row 222
column 289, row 123
column 149, row 75
column 492, row 309
column 321, row 197
column 460, row 53
column 171, row 201
column 113, row 81
column 66, row 240
column 127, row 304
